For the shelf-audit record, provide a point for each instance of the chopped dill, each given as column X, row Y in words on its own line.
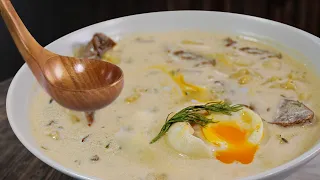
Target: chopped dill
column 51, row 122
column 282, row 139
column 299, row 104
column 195, row 114
column 78, row 162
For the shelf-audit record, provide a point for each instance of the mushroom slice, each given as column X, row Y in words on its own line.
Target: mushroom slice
column 292, row 112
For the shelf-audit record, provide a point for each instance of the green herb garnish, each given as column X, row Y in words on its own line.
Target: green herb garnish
column 197, row 114
column 282, row 139
column 44, row 148
column 299, row 104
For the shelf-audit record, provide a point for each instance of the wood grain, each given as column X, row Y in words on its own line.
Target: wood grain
column 77, row 84
column 17, row 163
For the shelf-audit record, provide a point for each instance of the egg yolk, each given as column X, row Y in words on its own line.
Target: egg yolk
column 238, row 148
column 188, row 90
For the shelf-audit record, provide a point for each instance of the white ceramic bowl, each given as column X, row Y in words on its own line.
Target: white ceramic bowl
column 21, row 89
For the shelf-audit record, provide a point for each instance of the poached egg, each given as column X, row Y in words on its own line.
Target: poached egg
column 232, row 138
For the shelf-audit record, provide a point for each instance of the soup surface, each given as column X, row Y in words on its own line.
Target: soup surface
column 248, row 126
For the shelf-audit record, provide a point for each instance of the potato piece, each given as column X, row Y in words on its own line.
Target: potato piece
column 295, row 75
column 191, row 42
column 272, row 64
column 288, row 85
column 134, row 97
column 244, row 62
column 256, row 74
column 272, row 79
column 245, row 79
column 54, row 135
column 240, row 73
column 154, row 176
column 244, row 76
column 112, row 59
column 221, row 59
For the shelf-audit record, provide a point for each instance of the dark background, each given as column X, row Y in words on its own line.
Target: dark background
column 48, row 20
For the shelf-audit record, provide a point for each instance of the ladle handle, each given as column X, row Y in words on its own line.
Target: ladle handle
column 32, row 52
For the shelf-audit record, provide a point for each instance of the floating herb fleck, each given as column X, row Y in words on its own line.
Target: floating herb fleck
column 95, row 158
column 194, row 114
column 282, row 139
column 83, row 139
column 107, row 146
column 154, row 109
column 51, row 122
column 78, row 162
column 173, row 72
column 155, row 90
column 299, row 104
column 50, row 101
column 230, row 42
column 44, row 148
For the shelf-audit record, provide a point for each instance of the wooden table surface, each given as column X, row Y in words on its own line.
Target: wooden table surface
column 16, row 162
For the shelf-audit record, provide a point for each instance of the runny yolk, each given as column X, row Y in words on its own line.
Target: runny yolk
column 188, row 90
column 193, row 91
column 238, row 148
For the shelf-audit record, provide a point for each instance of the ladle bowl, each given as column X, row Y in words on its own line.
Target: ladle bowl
column 77, row 84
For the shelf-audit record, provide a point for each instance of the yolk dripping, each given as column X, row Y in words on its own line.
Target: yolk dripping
column 188, row 90
column 238, row 148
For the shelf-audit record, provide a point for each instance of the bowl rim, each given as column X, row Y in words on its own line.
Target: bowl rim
column 298, row 161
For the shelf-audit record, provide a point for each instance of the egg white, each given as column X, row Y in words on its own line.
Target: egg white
column 180, row 137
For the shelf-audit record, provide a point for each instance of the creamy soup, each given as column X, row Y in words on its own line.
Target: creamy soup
column 244, row 123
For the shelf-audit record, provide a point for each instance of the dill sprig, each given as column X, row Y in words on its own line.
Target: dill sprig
column 197, row 115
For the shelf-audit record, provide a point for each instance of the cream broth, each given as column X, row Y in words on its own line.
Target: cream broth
column 116, row 145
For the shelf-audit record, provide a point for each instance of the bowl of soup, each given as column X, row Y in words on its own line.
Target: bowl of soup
column 207, row 95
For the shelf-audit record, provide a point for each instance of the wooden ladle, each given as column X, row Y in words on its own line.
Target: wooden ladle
column 77, row 84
